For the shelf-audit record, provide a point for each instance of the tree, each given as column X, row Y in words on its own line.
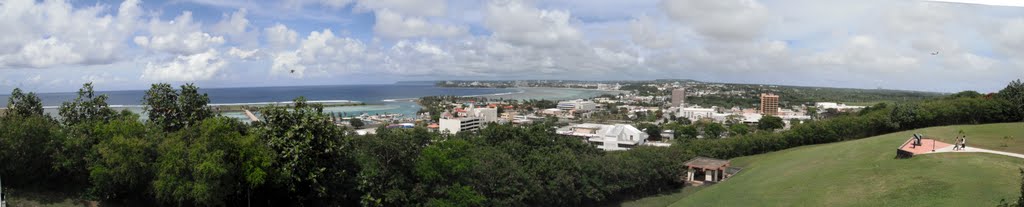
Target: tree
column 173, row 110
column 770, row 123
column 794, row 122
column 684, row 120
column 440, row 166
column 712, row 129
column 210, row 164
column 356, row 123
column 966, row 94
column 123, row 160
column 903, row 116
column 739, row 129
column 312, row 158
column 22, row 104
column 1014, row 93
column 86, row 107
column 653, row 131
column 387, row 165
column 25, row 149
column 812, row 112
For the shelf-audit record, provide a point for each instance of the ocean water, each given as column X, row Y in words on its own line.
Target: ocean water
column 390, row 98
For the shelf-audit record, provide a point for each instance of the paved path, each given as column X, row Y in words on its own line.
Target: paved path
column 975, row 149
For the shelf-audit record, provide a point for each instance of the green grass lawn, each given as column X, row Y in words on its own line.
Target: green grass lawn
column 864, row 173
column 1003, row 137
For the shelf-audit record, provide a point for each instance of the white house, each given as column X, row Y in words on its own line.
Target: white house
column 607, row 137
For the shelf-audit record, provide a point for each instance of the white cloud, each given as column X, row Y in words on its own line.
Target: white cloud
column 323, row 52
column 394, row 25
column 721, row 19
column 864, row 53
column 1010, row 37
column 244, row 54
column 279, row 36
column 194, row 67
column 650, row 34
column 428, row 8
column 179, row 36
column 297, row 4
column 52, row 33
column 518, row 23
column 236, row 27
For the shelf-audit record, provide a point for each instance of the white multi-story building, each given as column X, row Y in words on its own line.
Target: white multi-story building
column 696, row 113
column 607, row 137
column 456, row 125
column 578, row 105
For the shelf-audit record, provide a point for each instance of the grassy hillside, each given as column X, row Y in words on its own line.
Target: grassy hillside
column 864, row 173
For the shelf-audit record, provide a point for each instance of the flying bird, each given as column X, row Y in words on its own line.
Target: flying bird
column 934, row 53
column 293, row 71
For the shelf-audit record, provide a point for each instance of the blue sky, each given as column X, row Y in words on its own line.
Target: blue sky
column 53, row 46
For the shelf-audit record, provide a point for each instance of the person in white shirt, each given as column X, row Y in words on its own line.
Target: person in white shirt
column 963, row 143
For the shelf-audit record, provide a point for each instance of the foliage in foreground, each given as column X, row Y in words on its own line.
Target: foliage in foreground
column 186, row 156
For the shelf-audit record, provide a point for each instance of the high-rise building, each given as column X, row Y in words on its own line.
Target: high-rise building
column 769, row 104
column 678, row 97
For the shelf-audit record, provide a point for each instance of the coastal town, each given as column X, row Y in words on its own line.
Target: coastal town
column 626, row 115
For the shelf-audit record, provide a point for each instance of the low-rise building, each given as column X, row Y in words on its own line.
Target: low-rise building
column 837, row 106
column 607, row 137
column 456, row 125
column 694, row 114
column 577, row 105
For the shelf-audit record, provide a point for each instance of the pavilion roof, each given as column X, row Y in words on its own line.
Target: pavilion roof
column 707, row 163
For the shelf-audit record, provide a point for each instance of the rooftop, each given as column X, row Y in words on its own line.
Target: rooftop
column 707, row 163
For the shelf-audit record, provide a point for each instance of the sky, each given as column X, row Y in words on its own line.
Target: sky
column 943, row 46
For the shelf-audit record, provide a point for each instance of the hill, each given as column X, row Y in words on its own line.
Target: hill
column 863, row 173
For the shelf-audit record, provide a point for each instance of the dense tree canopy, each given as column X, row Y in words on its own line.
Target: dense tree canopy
column 770, row 123
column 86, row 107
column 1014, row 93
column 24, row 104
column 312, row 154
column 173, row 110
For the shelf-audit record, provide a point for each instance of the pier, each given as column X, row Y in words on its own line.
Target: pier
column 252, row 117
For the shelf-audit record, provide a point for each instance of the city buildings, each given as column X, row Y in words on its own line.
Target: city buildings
column 769, row 104
column 678, row 97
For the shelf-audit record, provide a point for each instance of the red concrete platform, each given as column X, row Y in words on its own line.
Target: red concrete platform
column 927, row 145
